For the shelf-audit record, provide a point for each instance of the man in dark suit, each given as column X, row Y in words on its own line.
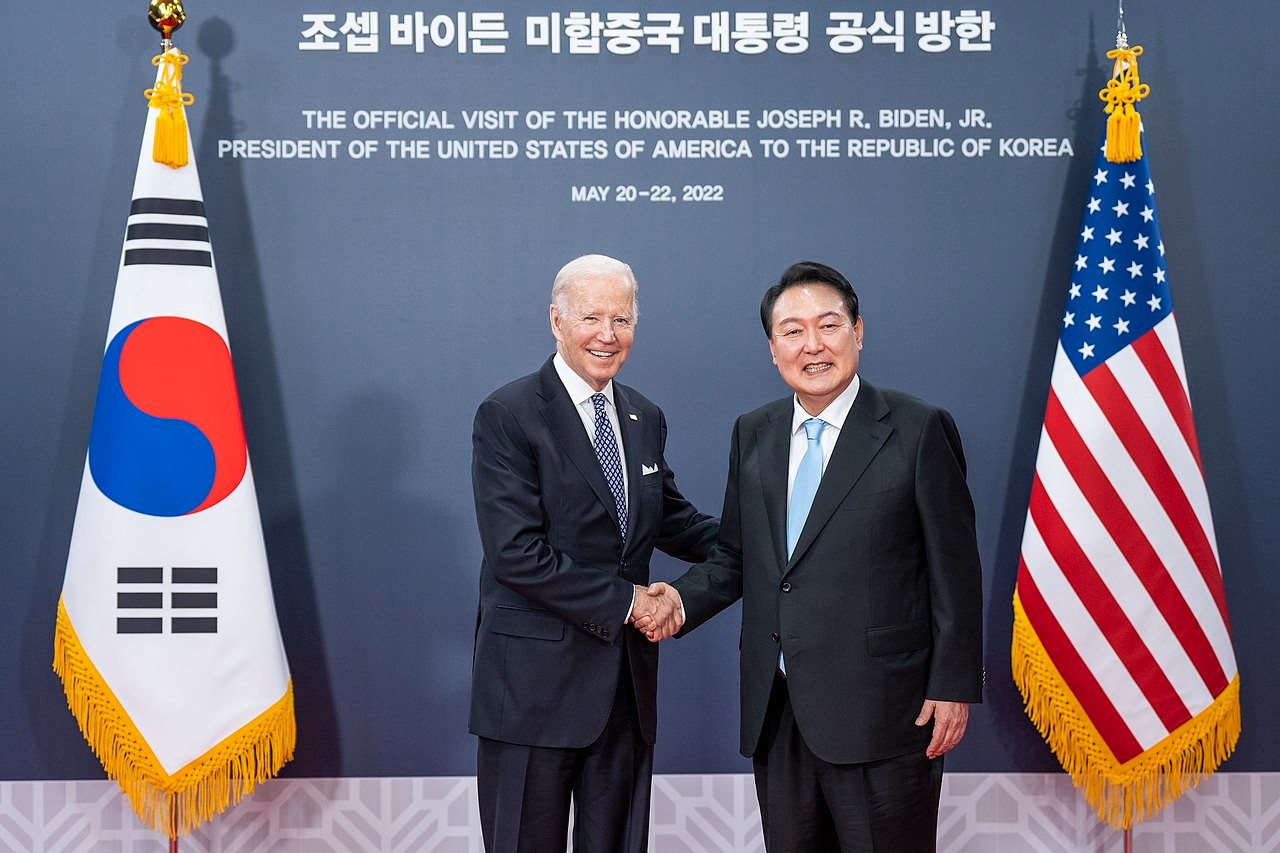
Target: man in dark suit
column 572, row 495
column 848, row 532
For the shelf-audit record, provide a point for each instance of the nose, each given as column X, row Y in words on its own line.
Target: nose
column 812, row 341
column 607, row 333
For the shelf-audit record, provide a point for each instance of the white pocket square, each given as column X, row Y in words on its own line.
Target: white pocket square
column 646, row 470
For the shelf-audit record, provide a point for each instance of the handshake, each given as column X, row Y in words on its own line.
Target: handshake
column 657, row 611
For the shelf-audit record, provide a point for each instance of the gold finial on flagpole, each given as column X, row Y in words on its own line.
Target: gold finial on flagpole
column 166, row 16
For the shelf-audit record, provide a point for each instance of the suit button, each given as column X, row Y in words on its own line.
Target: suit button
column 774, row 636
column 786, row 587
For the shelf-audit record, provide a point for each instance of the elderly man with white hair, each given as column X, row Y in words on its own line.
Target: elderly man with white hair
column 572, row 495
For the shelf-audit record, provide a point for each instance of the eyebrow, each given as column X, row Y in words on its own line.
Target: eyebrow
column 821, row 316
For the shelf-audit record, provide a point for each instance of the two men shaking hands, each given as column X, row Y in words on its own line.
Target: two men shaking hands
column 847, row 532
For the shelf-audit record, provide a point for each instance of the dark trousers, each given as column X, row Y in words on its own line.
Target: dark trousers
column 810, row 806
column 525, row 791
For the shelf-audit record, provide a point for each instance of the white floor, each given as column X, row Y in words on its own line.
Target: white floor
column 981, row 813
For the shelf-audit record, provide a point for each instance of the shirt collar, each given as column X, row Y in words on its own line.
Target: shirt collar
column 579, row 391
column 835, row 412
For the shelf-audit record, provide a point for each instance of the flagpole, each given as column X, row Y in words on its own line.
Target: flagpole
column 166, row 16
column 1122, row 41
column 173, row 825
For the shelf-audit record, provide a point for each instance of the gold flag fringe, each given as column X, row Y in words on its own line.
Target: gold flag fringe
column 1124, row 89
column 204, row 788
column 1121, row 794
column 170, row 145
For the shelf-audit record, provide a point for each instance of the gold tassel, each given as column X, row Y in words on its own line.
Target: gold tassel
column 170, row 146
column 204, row 788
column 1124, row 89
column 1121, row 794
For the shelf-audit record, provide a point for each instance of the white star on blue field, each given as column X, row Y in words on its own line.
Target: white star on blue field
column 1118, row 278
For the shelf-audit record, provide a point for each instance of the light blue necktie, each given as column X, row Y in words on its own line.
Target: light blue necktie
column 808, row 476
column 610, row 462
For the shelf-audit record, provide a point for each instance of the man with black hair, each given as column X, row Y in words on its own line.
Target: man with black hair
column 848, row 533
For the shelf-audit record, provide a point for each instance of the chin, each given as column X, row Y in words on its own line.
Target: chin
column 815, row 389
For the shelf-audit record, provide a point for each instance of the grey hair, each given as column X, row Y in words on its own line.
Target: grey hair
column 589, row 267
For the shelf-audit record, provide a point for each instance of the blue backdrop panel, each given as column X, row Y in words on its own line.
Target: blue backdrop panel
column 373, row 300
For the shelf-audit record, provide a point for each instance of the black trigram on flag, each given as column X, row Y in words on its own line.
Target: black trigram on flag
column 143, row 590
column 167, row 231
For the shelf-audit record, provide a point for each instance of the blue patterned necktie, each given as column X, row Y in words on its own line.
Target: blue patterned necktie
column 610, row 462
column 808, row 476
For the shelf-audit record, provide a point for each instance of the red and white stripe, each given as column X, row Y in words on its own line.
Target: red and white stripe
column 1119, row 574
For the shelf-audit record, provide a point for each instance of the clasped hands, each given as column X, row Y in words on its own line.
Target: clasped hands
column 657, row 612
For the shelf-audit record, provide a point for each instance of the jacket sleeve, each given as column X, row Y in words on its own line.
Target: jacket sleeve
column 954, row 569
column 512, row 519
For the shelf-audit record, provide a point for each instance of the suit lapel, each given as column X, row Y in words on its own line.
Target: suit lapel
column 865, row 432
column 774, row 442
column 562, row 418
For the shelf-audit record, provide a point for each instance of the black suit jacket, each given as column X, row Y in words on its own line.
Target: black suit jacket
column 556, row 582
column 880, row 606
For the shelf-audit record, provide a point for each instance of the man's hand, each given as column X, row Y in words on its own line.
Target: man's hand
column 950, row 719
column 657, row 611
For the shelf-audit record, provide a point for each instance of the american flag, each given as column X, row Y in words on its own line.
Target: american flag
column 1122, row 649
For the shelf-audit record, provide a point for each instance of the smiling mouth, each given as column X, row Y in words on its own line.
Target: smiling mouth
column 599, row 354
column 814, row 369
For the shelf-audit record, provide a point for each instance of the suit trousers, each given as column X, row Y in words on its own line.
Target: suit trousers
column 808, row 805
column 525, row 791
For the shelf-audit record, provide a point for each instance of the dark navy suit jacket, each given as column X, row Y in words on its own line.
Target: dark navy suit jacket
column 556, row 582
